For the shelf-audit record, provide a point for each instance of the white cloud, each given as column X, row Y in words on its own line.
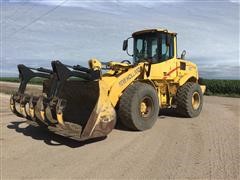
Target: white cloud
column 208, row 33
column 235, row 1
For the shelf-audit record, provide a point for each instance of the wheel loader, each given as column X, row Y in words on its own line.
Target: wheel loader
column 85, row 102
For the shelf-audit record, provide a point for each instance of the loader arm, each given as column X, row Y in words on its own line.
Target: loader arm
column 123, row 81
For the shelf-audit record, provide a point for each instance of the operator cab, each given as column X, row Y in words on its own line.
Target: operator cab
column 153, row 45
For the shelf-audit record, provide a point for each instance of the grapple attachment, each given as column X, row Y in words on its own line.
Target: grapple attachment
column 20, row 102
column 74, row 101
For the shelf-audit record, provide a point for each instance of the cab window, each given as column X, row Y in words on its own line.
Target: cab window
column 166, row 51
column 146, row 48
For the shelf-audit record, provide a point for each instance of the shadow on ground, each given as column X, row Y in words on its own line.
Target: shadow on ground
column 52, row 139
column 48, row 137
column 170, row 112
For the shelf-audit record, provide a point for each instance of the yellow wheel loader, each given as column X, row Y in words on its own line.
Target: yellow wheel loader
column 85, row 102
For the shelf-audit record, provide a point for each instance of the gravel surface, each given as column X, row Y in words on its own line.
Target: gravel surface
column 202, row 147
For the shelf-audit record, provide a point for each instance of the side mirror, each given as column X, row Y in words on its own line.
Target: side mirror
column 183, row 54
column 168, row 39
column 125, row 45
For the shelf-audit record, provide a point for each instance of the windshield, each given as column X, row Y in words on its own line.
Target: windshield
column 145, row 48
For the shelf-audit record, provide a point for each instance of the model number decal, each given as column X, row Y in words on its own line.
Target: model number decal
column 129, row 77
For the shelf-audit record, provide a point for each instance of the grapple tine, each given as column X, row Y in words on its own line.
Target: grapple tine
column 61, row 104
column 27, row 109
column 50, row 111
column 13, row 102
column 31, row 108
column 22, row 110
column 23, row 102
column 40, row 110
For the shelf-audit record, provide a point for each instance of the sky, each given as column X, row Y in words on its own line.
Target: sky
column 36, row 32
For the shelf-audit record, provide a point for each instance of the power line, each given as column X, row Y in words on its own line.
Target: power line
column 14, row 21
column 17, row 9
column 36, row 19
column 24, row 11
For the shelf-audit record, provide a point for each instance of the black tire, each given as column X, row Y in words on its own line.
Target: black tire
column 131, row 115
column 189, row 100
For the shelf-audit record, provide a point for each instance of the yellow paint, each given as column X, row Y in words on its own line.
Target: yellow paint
column 42, row 114
column 94, row 64
column 195, row 100
column 203, row 88
column 31, row 112
column 143, row 107
column 123, row 81
column 60, row 118
column 22, row 111
column 12, row 107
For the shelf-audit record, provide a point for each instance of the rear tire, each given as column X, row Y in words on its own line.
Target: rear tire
column 138, row 107
column 189, row 100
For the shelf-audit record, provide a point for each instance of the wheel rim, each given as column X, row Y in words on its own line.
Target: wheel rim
column 195, row 100
column 146, row 107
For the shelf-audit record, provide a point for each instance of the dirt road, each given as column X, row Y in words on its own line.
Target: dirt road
column 203, row 147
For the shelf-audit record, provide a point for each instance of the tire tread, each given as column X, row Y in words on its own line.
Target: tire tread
column 183, row 102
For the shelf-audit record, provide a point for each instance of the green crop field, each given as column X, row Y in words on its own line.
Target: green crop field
column 16, row 79
column 222, row 87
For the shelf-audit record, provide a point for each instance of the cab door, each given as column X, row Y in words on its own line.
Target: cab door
column 166, row 67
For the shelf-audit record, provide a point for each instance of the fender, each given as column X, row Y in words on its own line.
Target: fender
column 186, row 78
column 122, row 82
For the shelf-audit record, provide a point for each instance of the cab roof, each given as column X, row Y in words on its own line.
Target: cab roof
column 152, row 31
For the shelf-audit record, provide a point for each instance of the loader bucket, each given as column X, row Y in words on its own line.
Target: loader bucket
column 83, row 111
column 74, row 101
column 103, row 118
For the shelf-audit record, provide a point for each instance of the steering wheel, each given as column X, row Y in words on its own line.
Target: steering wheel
column 126, row 61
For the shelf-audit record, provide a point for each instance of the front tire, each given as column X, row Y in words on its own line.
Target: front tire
column 139, row 107
column 189, row 100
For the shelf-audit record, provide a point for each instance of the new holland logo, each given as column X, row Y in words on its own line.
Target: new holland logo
column 130, row 76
